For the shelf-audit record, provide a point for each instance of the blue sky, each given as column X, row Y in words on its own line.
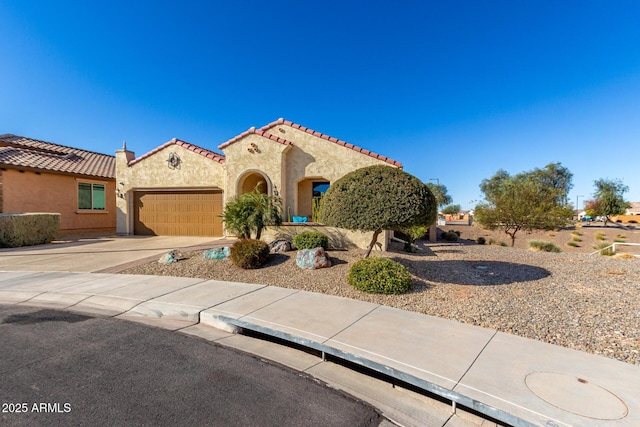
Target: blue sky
column 453, row 90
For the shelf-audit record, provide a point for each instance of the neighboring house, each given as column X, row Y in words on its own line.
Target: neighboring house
column 464, row 217
column 180, row 188
column 634, row 208
column 39, row 176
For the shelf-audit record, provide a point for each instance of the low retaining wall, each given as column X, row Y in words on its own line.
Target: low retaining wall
column 339, row 238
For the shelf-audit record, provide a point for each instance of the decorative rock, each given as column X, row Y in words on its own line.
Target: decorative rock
column 217, row 253
column 312, row 259
column 278, row 246
column 173, row 255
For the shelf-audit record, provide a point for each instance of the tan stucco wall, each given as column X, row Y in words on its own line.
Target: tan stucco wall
column 29, row 192
column 315, row 157
column 267, row 161
column 339, row 238
column 195, row 171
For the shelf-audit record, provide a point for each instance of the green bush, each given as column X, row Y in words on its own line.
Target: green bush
column 481, row 240
column 26, row 229
column 450, row 236
column 601, row 247
column 310, row 240
column 600, row 236
column 538, row 245
column 249, row 253
column 380, row 276
column 573, row 244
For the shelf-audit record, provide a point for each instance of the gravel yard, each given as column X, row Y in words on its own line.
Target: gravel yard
column 590, row 303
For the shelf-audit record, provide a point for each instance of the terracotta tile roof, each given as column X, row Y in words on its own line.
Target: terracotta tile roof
column 261, row 132
column 20, row 152
column 199, row 150
column 326, row 137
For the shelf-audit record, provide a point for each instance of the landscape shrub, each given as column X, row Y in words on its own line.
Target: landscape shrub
column 450, row 236
column 600, row 236
column 310, row 240
column 573, row 244
column 621, row 236
column 249, row 253
column 26, row 229
column 380, row 276
column 481, row 240
column 576, row 239
column 601, row 247
column 538, row 245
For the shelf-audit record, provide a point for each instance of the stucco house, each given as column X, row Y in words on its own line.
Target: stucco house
column 180, row 188
column 40, row 176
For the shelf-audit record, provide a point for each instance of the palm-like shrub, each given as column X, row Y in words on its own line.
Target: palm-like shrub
column 250, row 213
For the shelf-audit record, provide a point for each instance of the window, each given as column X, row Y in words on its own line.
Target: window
column 91, row 196
column 319, row 188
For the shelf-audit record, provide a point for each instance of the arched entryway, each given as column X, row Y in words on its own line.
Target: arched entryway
column 251, row 180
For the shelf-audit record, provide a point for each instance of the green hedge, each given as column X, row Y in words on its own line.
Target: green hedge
column 380, row 276
column 249, row 253
column 311, row 240
column 27, row 229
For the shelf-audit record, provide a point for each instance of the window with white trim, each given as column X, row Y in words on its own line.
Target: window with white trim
column 91, row 196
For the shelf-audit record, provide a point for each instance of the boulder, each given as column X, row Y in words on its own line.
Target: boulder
column 278, row 246
column 312, row 259
column 174, row 255
column 217, row 253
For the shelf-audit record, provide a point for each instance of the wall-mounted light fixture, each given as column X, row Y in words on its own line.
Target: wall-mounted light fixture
column 174, row 161
column 275, row 190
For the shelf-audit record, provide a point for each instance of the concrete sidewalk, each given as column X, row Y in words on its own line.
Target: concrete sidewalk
column 512, row 379
column 100, row 254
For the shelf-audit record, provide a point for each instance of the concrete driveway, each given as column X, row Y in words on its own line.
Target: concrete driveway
column 101, row 254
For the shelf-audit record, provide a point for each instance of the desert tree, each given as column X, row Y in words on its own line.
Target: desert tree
column 451, row 210
column 522, row 202
column 378, row 198
column 441, row 194
column 608, row 199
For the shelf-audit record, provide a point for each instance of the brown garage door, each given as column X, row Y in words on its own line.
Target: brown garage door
column 178, row 213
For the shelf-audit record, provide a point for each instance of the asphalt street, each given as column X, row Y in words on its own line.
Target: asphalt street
column 60, row 368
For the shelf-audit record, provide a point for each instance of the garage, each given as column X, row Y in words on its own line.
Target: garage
column 178, row 213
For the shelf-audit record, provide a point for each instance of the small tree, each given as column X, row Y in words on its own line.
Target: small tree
column 608, row 199
column 378, row 198
column 251, row 213
column 522, row 202
column 451, row 210
column 440, row 192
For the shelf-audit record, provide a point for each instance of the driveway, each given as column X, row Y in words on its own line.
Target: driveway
column 101, row 254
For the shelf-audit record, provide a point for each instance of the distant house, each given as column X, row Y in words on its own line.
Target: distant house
column 39, row 176
column 634, row 209
column 464, row 217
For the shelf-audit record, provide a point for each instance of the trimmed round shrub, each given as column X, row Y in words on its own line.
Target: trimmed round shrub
column 311, row 240
column 380, row 276
column 481, row 240
column 450, row 236
column 249, row 253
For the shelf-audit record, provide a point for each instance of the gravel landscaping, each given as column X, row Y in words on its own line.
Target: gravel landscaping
column 590, row 303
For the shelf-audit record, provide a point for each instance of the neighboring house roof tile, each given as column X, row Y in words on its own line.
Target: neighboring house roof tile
column 198, row 150
column 19, row 151
column 253, row 130
column 323, row 136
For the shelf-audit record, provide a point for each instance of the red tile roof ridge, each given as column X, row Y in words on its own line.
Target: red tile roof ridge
column 253, row 130
column 187, row 145
column 22, row 152
column 282, row 121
